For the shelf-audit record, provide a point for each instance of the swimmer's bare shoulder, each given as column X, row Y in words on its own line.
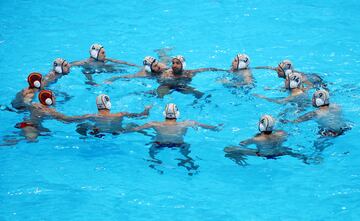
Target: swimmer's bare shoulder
column 189, row 123
column 279, row 134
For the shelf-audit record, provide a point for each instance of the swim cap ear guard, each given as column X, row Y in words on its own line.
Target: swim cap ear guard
column 95, row 50
column 34, row 80
column 46, row 97
column 320, row 98
column 148, row 62
column 293, row 80
column 182, row 60
column 103, row 102
column 243, row 61
column 266, row 123
column 171, row 111
column 286, row 67
column 58, row 65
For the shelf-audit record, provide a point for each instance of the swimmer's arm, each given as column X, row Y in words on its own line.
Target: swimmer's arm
column 121, row 62
column 143, row 127
column 308, row 84
column 241, row 151
column 247, row 142
column 48, row 79
column 78, row 63
column 140, row 74
column 278, row 101
column 70, row 119
column 132, row 115
column 266, row 67
column 205, row 69
column 305, row 117
column 205, row 126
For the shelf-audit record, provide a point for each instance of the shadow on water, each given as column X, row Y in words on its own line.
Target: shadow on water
column 184, row 149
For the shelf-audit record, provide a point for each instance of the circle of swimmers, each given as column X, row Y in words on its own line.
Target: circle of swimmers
column 170, row 132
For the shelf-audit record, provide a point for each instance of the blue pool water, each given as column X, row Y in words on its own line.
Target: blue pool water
column 66, row 177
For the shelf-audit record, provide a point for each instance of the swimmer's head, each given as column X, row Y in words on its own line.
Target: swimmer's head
column 97, row 52
column 103, row 102
column 152, row 65
column 148, row 61
column 285, row 68
column 46, row 97
column 293, row 80
column 157, row 67
column 171, row 111
column 61, row 66
column 34, row 80
column 241, row 61
column 266, row 123
column 320, row 98
column 178, row 64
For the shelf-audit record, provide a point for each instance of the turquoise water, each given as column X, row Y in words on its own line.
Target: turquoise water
column 64, row 176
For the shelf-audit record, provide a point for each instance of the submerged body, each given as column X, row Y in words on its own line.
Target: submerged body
column 170, row 134
column 329, row 119
column 106, row 122
column 178, row 79
column 269, row 146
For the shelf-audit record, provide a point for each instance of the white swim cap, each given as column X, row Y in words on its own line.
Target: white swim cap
column 171, row 111
column 320, row 98
column 294, row 80
column 95, row 50
column 58, row 65
column 148, row 61
column 286, row 64
column 266, row 123
column 243, row 61
column 182, row 60
column 103, row 102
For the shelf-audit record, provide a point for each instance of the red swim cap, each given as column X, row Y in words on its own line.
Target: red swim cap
column 46, row 97
column 34, row 80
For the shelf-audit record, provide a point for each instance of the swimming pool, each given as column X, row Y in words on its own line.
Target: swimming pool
column 64, row 176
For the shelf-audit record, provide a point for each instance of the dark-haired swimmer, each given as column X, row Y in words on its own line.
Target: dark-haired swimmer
column 98, row 62
column 297, row 95
column 60, row 68
column 170, row 133
column 25, row 96
column 152, row 68
column 106, row 122
column 327, row 115
column 177, row 78
column 286, row 67
column 269, row 144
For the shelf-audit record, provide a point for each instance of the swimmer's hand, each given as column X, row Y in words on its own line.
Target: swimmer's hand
column 219, row 127
column 147, row 109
